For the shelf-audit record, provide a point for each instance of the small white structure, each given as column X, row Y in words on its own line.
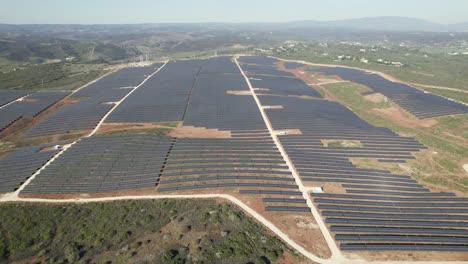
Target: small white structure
column 317, row 190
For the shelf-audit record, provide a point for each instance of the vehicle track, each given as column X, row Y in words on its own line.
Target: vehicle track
column 336, row 253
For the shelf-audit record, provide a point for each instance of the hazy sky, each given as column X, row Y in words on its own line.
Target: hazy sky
column 156, row 11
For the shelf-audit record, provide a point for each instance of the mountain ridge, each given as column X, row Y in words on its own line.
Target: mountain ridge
column 379, row 23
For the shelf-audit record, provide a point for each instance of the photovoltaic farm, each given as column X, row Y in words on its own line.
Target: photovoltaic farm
column 417, row 102
column 377, row 210
column 240, row 126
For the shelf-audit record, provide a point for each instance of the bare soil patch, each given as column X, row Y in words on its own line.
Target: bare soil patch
column 273, row 107
column 198, row 132
column 328, row 187
column 341, row 143
column 407, row 256
column 239, row 92
column 303, row 229
column 133, row 192
column 401, row 117
column 376, row 98
column 30, row 100
column 287, row 132
column 108, row 127
column 293, row 131
column 261, row 89
column 333, row 187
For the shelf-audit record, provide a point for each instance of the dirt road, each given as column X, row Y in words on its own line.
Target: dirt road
column 336, row 253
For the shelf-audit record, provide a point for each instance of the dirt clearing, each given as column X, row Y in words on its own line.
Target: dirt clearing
column 376, row 98
column 198, row 132
column 110, row 127
column 234, row 92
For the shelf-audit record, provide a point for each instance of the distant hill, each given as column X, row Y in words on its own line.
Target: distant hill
column 462, row 27
column 388, row 23
column 383, row 24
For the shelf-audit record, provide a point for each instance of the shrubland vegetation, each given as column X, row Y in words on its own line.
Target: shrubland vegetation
column 420, row 63
column 62, row 76
column 143, row 231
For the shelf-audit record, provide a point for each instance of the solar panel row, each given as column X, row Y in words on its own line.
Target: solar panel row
column 292, row 65
column 7, row 96
column 19, row 165
column 105, row 163
column 31, row 106
column 189, row 168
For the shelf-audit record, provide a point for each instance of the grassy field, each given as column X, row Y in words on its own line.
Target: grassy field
column 151, row 131
column 421, row 66
column 159, row 231
column 63, row 76
column 447, row 139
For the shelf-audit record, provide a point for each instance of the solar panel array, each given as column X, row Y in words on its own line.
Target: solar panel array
column 262, row 73
column 325, row 120
column 103, row 164
column 248, row 162
column 162, row 98
column 212, row 106
column 253, row 165
column 258, row 60
column 17, row 166
column 417, row 102
column 93, row 104
column 292, row 65
column 7, row 96
column 380, row 210
column 264, row 70
column 31, row 106
column 115, row 86
column 283, row 86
